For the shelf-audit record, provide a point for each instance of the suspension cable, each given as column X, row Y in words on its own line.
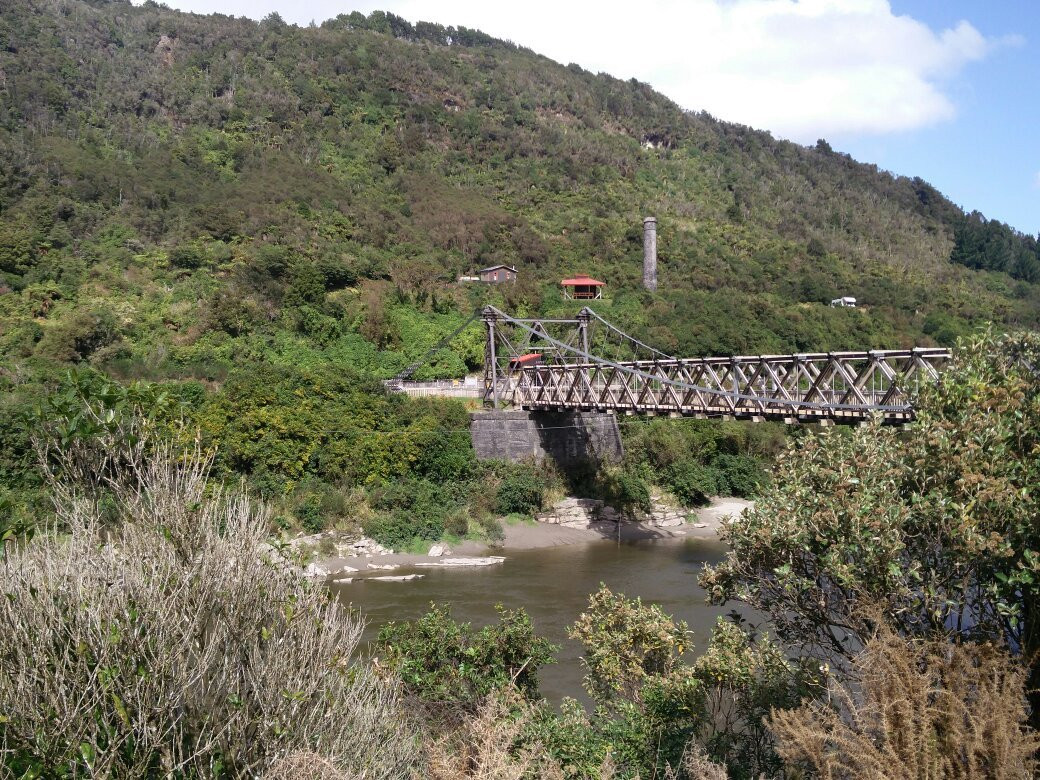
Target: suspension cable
column 413, row 367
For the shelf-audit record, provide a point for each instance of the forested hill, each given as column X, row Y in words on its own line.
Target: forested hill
column 182, row 194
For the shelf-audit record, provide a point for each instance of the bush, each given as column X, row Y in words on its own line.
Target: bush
column 186, row 256
column 522, row 491
column 112, row 669
column 396, row 530
column 410, row 509
column 693, row 483
column 457, row 524
column 79, row 335
column 441, row 660
column 309, row 515
column 738, row 475
column 626, row 488
column 445, row 457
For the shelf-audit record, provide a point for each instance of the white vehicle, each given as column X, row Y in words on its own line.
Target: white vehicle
column 846, row 301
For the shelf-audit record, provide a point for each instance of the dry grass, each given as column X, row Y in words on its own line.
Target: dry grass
column 166, row 640
column 487, row 746
column 697, row 766
column 919, row 711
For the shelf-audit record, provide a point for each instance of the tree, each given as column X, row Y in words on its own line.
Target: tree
column 935, row 526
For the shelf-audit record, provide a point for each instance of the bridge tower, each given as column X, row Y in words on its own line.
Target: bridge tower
column 490, row 318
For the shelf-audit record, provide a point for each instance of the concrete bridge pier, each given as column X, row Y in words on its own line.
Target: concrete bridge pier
column 567, row 437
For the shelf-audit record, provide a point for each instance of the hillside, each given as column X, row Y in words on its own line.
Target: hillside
column 198, row 199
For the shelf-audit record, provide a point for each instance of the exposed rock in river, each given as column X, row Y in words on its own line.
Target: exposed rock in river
column 397, row 578
column 489, row 560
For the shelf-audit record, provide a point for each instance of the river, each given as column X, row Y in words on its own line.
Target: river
column 553, row 585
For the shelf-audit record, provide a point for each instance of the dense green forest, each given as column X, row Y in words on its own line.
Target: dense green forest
column 267, row 219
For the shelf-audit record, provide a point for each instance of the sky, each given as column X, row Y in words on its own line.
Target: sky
column 941, row 89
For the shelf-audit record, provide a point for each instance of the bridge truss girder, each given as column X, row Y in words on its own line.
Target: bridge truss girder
column 841, row 387
column 836, row 387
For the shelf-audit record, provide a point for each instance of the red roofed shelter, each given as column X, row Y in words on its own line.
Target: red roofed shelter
column 583, row 288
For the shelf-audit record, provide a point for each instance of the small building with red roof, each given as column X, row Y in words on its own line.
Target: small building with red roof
column 582, row 288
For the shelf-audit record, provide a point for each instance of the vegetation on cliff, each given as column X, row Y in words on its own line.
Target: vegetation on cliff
column 266, row 218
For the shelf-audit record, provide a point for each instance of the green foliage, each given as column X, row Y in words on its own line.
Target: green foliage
column 443, row 661
column 626, row 643
column 747, row 678
column 739, row 475
column 411, row 509
column 934, row 526
column 188, row 257
column 625, row 487
column 78, row 336
column 521, row 491
column 695, row 460
column 693, row 483
column 650, row 704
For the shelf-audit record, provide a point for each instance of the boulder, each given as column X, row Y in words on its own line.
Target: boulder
column 315, row 570
column 437, row 550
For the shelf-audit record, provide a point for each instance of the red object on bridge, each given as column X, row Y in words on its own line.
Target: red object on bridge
column 583, row 288
column 531, row 359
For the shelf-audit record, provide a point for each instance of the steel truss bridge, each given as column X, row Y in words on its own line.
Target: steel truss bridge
column 586, row 363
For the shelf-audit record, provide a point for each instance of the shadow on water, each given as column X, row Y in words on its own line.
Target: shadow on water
column 553, row 585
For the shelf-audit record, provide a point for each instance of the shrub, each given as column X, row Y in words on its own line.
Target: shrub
column 493, row 532
column 494, row 744
column 186, row 256
column 445, row 457
column 457, row 524
column 441, row 660
column 79, row 335
column 410, row 509
column 625, row 488
column 521, row 491
column 397, row 529
column 934, row 525
column 692, row 483
column 172, row 644
column 309, row 515
column 738, row 475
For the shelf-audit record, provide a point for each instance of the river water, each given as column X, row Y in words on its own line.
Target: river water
column 553, row 585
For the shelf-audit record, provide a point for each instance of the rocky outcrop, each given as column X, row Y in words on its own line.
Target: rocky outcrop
column 664, row 515
column 343, row 546
column 590, row 512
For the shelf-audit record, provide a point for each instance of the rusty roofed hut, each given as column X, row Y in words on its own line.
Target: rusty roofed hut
column 582, row 288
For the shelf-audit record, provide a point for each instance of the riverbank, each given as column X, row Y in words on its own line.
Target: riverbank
column 703, row 523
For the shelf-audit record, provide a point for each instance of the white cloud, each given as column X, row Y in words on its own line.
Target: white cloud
column 800, row 68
